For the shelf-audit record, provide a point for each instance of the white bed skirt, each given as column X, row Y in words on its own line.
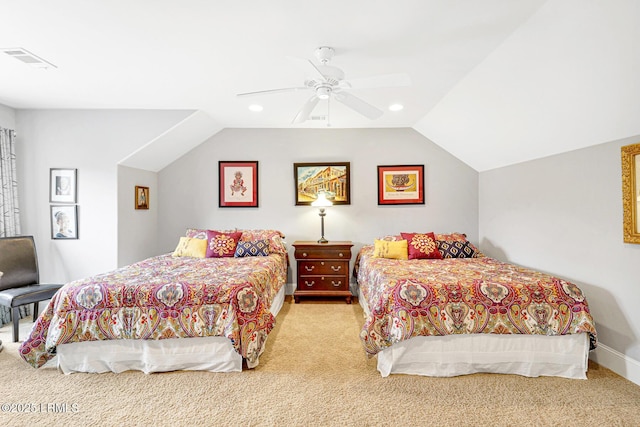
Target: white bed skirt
column 214, row 354
column 452, row 355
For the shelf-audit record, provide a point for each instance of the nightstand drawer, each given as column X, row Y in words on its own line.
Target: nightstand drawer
column 323, row 283
column 323, row 267
column 323, row 253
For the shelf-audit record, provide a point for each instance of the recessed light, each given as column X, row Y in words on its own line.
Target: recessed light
column 396, row 107
column 255, row 107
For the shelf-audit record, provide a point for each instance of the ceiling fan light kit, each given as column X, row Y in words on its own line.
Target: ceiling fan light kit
column 326, row 80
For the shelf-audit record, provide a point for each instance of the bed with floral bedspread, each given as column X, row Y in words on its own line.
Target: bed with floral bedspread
column 165, row 297
column 453, row 296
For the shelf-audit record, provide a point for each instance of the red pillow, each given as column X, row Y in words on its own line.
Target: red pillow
column 222, row 244
column 422, row 245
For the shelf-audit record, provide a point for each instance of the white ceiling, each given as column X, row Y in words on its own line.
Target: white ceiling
column 494, row 82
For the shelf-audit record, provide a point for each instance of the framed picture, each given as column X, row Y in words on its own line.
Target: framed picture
column 331, row 178
column 630, row 156
column 141, row 195
column 401, row 185
column 62, row 185
column 238, row 184
column 64, row 221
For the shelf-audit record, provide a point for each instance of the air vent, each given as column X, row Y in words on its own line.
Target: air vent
column 27, row 57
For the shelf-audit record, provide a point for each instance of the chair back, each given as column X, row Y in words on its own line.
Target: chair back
column 18, row 262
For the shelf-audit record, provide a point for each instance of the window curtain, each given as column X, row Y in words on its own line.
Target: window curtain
column 9, row 211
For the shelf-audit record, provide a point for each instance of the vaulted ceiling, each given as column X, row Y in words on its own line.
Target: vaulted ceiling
column 494, row 82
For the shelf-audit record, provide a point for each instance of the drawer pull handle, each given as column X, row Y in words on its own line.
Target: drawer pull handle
column 322, row 263
column 336, row 268
column 304, row 254
column 309, row 283
column 337, row 284
column 306, row 267
column 341, row 255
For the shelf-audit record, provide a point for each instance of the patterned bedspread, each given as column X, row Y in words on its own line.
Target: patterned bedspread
column 408, row 298
column 165, row 297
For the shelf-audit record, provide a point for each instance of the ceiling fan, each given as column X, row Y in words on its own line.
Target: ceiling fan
column 328, row 82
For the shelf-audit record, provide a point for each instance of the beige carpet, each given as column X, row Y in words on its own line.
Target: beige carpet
column 313, row 373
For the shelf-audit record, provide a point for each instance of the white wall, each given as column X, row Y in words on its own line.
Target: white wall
column 7, row 117
column 92, row 141
column 563, row 215
column 189, row 187
column 137, row 228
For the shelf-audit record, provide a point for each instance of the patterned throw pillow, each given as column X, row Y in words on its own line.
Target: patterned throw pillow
column 461, row 237
column 253, row 248
column 422, row 245
column 199, row 233
column 274, row 237
column 187, row 246
column 220, row 244
column 390, row 249
column 457, row 249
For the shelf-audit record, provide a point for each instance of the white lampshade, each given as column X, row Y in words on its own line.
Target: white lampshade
column 322, row 201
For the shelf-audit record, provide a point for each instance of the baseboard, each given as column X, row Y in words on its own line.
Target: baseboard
column 622, row 365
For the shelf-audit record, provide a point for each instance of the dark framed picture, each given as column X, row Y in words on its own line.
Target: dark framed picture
column 64, row 221
column 238, row 184
column 331, row 178
column 141, row 197
column 401, row 185
column 62, row 185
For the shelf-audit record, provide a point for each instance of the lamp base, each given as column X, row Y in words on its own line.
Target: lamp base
column 323, row 240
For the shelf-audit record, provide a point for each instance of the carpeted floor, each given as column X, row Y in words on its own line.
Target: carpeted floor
column 313, row 373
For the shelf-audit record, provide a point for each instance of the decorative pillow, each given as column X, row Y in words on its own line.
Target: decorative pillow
column 390, row 249
column 422, row 245
column 198, row 233
column 276, row 244
column 458, row 249
column 254, row 248
column 461, row 237
column 220, row 244
column 188, row 246
column 392, row 237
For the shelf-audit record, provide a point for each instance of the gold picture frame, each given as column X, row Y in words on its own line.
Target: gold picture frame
column 141, row 197
column 631, row 193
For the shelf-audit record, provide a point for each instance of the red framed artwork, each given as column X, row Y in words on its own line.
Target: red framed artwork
column 238, row 184
column 401, row 185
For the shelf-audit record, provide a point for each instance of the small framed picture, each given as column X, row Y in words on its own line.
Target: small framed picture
column 141, row 197
column 62, row 185
column 64, row 221
column 330, row 178
column 401, row 185
column 238, row 184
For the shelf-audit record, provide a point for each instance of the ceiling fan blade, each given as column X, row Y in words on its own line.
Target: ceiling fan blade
column 307, row 67
column 307, row 108
column 358, row 105
column 383, row 80
column 269, row 91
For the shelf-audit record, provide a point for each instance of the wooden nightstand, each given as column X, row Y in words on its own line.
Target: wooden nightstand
column 323, row 269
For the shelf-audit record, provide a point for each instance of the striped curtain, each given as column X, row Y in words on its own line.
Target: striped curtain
column 9, row 211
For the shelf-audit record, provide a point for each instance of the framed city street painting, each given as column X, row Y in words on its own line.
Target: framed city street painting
column 331, row 178
column 62, row 185
column 631, row 193
column 238, row 184
column 401, row 185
